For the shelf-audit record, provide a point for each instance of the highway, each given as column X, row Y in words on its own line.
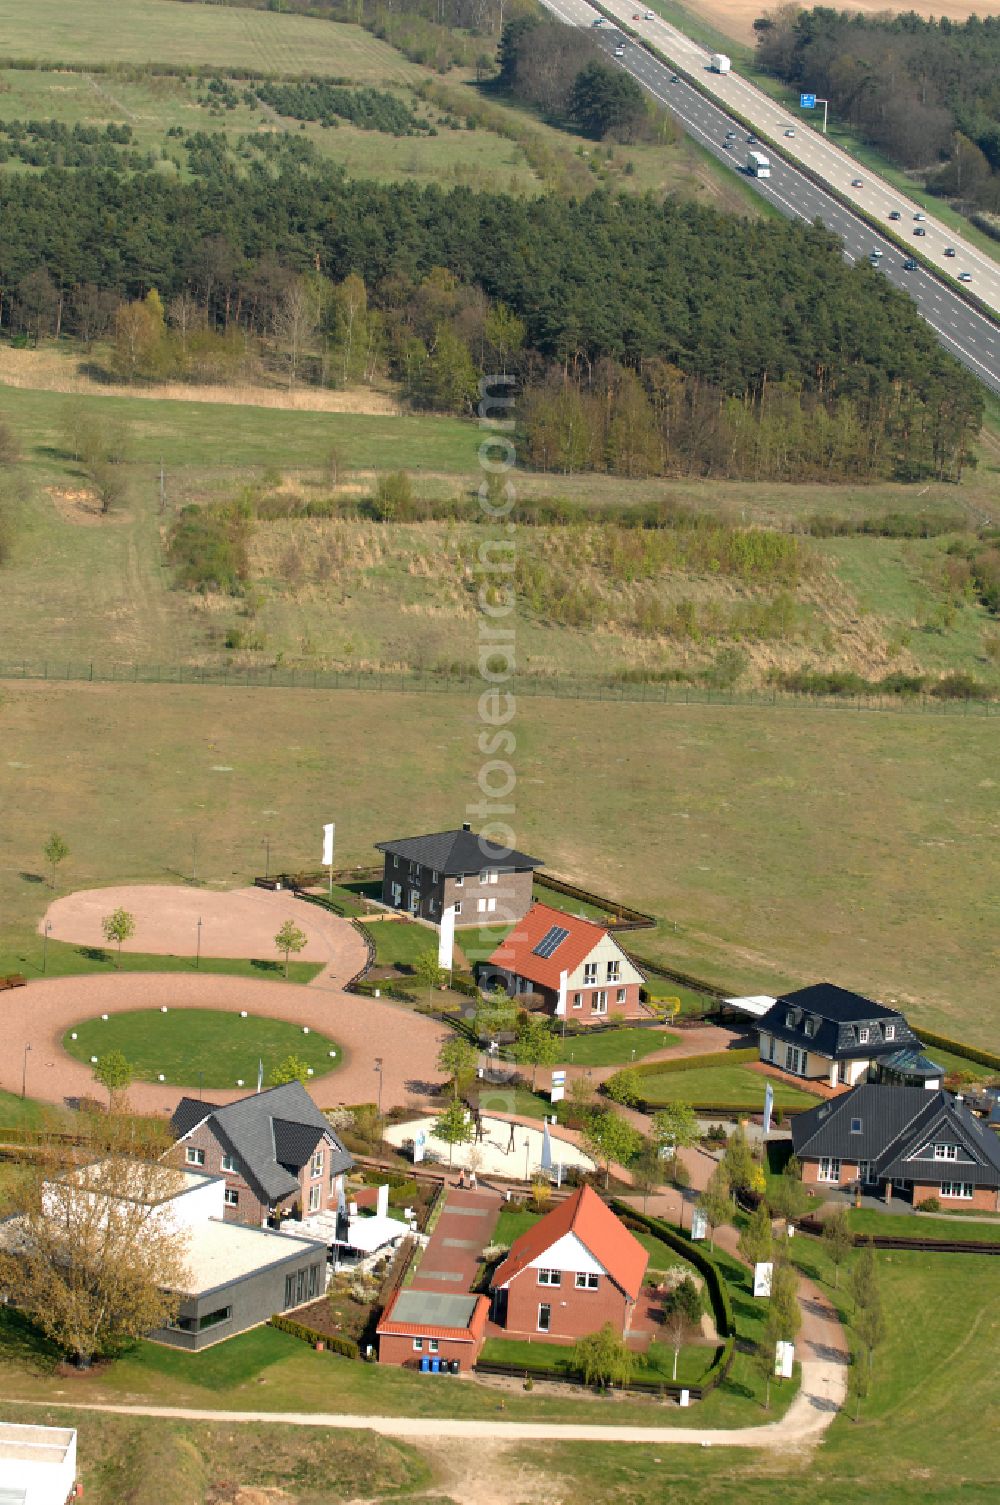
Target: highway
column 971, row 337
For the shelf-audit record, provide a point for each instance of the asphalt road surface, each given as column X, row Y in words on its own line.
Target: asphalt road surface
column 971, row 337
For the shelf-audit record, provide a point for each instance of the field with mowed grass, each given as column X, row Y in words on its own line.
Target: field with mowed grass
column 735, row 1086
column 709, row 817
column 193, row 36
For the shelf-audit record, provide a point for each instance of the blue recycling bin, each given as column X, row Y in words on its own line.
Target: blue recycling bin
column 435, row 1366
column 425, row 1365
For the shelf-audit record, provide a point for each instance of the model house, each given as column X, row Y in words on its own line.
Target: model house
column 575, row 1269
column 575, row 966
column 484, row 884
column 903, row 1142
column 829, row 1034
column 428, row 1329
column 278, row 1155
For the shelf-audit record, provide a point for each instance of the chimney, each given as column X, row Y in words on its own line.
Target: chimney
column 466, row 826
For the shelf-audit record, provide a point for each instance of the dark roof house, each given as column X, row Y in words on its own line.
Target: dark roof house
column 827, row 1031
column 926, row 1143
column 456, row 870
column 272, row 1135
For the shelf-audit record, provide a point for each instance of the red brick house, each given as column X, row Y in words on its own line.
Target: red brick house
column 438, row 1327
column 902, row 1142
column 576, row 966
column 277, row 1151
column 576, row 1269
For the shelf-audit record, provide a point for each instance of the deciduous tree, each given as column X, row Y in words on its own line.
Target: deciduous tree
column 603, row 1358
column 290, row 939
column 755, row 1241
column 56, row 851
column 454, row 1126
column 118, row 927
column 114, row 1071
column 610, row 1139
column 682, row 1311
column 838, row 1240
column 457, row 1057
column 291, row 1069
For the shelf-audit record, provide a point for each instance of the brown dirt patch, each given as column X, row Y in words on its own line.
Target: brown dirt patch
column 736, row 17
column 82, row 508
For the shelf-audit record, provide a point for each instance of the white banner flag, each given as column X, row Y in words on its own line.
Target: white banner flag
column 446, row 939
column 561, row 1005
column 329, row 837
column 763, row 1270
column 768, row 1107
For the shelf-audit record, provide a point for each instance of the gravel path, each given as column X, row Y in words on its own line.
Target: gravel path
column 41, row 1013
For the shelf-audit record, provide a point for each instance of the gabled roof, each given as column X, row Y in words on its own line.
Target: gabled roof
column 602, row 1234
column 891, row 1126
column 457, row 853
column 267, row 1134
column 827, row 1020
column 545, row 942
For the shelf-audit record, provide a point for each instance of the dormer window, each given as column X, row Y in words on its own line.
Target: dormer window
column 862, row 1034
column 790, row 1019
column 810, row 1027
column 946, row 1152
column 890, row 1032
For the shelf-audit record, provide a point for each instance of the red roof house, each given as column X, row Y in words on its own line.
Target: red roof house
column 576, row 966
column 575, row 1269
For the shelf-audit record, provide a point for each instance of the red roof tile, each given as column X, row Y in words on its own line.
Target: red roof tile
column 516, row 952
column 601, row 1233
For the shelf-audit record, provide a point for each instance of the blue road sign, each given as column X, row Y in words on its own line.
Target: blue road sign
column 807, row 101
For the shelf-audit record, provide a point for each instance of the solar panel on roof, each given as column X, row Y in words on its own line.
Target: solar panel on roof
column 553, row 937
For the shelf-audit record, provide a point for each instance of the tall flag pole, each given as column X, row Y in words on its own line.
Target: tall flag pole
column 768, row 1107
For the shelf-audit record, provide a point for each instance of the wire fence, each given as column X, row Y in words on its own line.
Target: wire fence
column 229, row 676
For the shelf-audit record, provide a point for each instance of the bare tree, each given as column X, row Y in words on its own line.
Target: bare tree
column 293, row 324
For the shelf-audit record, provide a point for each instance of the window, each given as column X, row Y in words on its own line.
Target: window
column 317, row 1163
column 810, row 1028
column 586, row 1281
column 958, row 1189
column 794, row 1061
column 486, row 905
column 946, row 1152
column 397, row 894
column 434, row 875
column 790, row 1020
column 890, row 1032
column 863, row 1034
column 414, row 900
column 195, row 1157
column 544, row 1317
column 314, row 1281
column 855, row 1126
column 768, row 1047
column 418, row 1344
column 433, row 1345
column 459, row 880
column 488, row 875
column 599, row 1003
column 395, row 862
column 289, row 1291
column 458, row 907
column 620, row 996
column 481, row 906
column 229, row 1164
column 491, row 905
column 829, row 1169
column 315, row 1197
column 866, row 1172
column 200, row 1324
column 590, row 972
column 614, row 971
column 578, row 1000
column 232, row 1197
column 550, row 1277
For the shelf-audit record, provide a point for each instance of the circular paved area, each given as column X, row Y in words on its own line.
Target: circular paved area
column 492, row 1156
column 408, row 1043
column 242, row 922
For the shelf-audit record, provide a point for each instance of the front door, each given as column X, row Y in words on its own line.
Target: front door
column 544, row 1317
column 841, row 1071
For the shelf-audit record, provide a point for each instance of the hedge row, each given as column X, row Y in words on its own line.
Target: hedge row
column 722, row 1309
column 689, row 1063
column 334, row 1343
column 970, row 1052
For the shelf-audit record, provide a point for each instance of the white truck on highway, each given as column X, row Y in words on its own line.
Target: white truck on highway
column 719, row 63
column 758, row 166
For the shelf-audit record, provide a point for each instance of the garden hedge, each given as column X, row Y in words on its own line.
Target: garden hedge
column 970, row 1052
column 690, row 1063
column 722, row 1309
column 335, row 1344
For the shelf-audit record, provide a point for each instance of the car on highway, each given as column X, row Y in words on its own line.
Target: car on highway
column 875, row 254
column 920, row 230
column 727, row 145
column 790, row 131
column 909, row 265
column 674, row 79
column 919, row 215
column 599, row 21
column 751, row 139
column 857, row 183
column 730, row 135
column 650, row 15
column 950, row 251
column 965, row 276
column 895, row 214
column 619, row 50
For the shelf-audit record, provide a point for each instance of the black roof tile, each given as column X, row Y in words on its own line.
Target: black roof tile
column 457, row 853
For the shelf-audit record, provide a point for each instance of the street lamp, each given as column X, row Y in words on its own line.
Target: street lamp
column 378, row 1068
column 45, row 944
column 527, row 1152
column 24, row 1073
column 197, row 955
column 267, row 857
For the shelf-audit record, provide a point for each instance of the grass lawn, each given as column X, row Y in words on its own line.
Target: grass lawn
column 737, row 1085
column 902, row 1225
column 64, row 959
column 28, row 1113
column 398, row 943
column 900, row 908
column 615, row 1047
column 142, row 31
column 960, row 1064
column 656, row 1364
column 519, row 1100
column 201, row 1046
